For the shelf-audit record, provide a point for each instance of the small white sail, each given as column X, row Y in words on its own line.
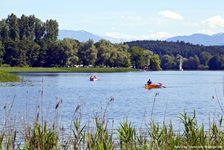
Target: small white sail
column 181, row 64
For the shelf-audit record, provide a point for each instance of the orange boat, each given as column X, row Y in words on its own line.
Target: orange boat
column 153, row 85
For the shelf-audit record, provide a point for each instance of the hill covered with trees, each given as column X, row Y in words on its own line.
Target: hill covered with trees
column 194, row 56
column 28, row 41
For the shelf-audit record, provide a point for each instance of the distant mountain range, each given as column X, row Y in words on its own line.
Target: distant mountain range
column 83, row 36
column 201, row 39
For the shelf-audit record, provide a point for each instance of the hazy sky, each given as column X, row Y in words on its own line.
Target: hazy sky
column 139, row 19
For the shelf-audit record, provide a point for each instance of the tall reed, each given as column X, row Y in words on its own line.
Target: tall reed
column 125, row 136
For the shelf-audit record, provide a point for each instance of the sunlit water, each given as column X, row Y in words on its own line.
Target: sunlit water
column 128, row 99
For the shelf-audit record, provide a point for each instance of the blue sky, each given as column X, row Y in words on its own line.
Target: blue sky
column 130, row 19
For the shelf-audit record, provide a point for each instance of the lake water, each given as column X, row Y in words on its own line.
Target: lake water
column 125, row 93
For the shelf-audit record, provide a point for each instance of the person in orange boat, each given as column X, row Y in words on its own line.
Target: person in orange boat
column 149, row 82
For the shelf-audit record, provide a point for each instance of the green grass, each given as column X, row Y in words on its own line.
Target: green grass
column 40, row 69
column 7, row 77
column 43, row 135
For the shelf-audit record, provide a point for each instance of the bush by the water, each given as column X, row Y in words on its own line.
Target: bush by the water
column 7, row 77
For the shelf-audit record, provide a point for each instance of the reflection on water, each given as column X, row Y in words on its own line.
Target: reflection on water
column 125, row 92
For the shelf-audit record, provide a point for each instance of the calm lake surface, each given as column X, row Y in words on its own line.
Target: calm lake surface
column 125, row 92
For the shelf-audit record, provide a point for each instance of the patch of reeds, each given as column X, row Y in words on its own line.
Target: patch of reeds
column 42, row 135
column 8, row 77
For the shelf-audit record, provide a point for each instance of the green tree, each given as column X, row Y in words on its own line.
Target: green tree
column 51, row 30
column 3, row 31
column 155, row 63
column 88, row 53
column 71, row 48
column 192, row 63
column 39, row 31
column 215, row 63
column 21, row 57
column 12, row 24
column 105, row 49
column 2, row 53
column 42, row 57
column 27, row 27
column 168, row 62
column 205, row 57
column 56, row 55
column 137, row 57
column 23, row 26
column 11, row 52
column 148, row 54
column 123, row 57
column 32, row 51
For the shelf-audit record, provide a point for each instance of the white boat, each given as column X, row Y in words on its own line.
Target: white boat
column 181, row 64
column 93, row 78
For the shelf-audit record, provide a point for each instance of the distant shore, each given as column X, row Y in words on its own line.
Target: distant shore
column 60, row 69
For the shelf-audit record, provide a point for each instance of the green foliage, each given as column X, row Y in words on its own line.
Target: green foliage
column 88, row 53
column 7, row 77
column 27, row 41
column 168, row 62
column 186, row 50
column 54, row 69
column 12, row 23
column 155, row 136
column 137, row 57
column 101, row 139
column 192, row 63
column 216, row 63
column 40, row 137
column 79, row 135
column 2, row 53
column 205, row 57
column 155, row 63
column 127, row 135
column 104, row 49
column 51, row 31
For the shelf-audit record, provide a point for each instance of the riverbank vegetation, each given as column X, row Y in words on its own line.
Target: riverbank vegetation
column 54, row 69
column 7, row 77
column 40, row 134
column 26, row 41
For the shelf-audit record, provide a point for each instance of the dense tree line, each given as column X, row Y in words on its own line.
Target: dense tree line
column 194, row 56
column 27, row 41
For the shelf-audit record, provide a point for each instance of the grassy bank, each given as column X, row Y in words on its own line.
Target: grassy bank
column 7, row 77
column 39, row 69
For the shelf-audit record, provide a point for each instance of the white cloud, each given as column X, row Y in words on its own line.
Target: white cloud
column 156, row 36
column 119, row 35
column 208, row 32
column 171, row 15
column 214, row 22
column 153, row 36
